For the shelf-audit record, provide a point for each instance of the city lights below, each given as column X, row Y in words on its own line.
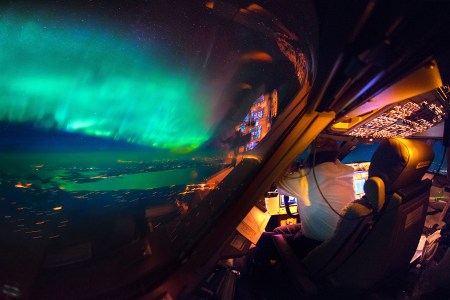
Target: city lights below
column 23, row 186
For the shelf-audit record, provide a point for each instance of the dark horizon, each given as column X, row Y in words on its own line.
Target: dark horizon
column 26, row 137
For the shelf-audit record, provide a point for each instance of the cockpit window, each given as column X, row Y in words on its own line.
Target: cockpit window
column 362, row 153
column 116, row 112
column 439, row 164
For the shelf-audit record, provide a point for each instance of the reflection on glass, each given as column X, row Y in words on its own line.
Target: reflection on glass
column 256, row 123
column 439, row 164
column 114, row 122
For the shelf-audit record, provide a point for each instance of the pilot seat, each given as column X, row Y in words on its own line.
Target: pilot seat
column 377, row 235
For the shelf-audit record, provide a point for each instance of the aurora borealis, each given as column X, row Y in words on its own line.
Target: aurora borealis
column 88, row 78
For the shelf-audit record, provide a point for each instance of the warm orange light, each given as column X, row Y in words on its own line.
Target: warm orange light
column 209, row 4
column 21, row 186
column 257, row 56
column 256, row 8
column 57, row 208
column 245, row 86
column 38, row 166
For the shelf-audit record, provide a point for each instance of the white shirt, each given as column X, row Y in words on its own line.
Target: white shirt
column 335, row 180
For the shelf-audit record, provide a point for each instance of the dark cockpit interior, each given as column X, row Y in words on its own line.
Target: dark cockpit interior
column 140, row 144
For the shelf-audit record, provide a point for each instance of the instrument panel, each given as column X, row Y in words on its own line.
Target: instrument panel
column 360, row 175
column 402, row 120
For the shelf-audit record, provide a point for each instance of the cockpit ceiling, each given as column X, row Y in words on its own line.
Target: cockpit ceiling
column 401, row 119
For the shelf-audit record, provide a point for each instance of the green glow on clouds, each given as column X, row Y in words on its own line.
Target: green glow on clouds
column 97, row 82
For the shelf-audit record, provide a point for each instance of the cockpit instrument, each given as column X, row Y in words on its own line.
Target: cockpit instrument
column 404, row 118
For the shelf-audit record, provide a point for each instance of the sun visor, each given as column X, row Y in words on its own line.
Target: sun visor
column 422, row 80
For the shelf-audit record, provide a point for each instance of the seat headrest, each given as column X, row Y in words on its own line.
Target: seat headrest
column 400, row 162
column 375, row 193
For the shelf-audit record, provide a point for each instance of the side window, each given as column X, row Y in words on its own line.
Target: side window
column 439, row 164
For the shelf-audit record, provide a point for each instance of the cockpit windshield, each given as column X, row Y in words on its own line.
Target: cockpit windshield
column 117, row 111
column 364, row 152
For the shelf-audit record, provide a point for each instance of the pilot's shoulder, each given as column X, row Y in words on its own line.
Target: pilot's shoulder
column 343, row 168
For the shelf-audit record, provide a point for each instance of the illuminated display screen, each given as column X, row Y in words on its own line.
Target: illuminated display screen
column 359, row 186
column 291, row 200
column 359, row 179
column 258, row 114
column 256, row 133
column 250, row 146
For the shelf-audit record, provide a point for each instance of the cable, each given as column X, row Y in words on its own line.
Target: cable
column 300, row 176
column 323, row 196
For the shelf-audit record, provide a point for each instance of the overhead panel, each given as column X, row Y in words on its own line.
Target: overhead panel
column 401, row 119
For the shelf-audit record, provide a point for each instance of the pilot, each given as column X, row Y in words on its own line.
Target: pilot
column 323, row 188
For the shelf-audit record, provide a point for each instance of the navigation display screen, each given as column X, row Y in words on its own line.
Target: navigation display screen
column 359, row 179
column 359, row 186
column 289, row 199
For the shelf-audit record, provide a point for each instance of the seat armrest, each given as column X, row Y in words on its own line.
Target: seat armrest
column 297, row 272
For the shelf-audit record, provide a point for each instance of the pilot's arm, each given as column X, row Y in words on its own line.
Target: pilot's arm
column 289, row 184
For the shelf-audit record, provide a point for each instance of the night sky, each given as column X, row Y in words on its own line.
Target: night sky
column 158, row 74
column 101, row 73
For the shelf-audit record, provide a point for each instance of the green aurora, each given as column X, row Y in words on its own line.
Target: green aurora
column 87, row 79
